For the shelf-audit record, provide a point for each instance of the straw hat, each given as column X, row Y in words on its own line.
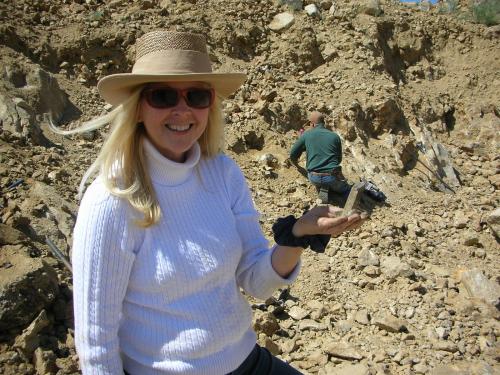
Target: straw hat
column 163, row 56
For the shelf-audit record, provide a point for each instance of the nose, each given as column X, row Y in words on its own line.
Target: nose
column 181, row 105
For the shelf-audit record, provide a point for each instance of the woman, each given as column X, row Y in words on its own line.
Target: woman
column 167, row 234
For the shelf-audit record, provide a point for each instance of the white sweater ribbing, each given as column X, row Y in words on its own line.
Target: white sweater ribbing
column 166, row 299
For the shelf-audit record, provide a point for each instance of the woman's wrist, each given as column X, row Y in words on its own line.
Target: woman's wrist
column 288, row 233
column 296, row 229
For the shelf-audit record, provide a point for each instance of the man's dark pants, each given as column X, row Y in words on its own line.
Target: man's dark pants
column 330, row 182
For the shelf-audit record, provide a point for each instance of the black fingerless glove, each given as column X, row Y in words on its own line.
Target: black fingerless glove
column 283, row 236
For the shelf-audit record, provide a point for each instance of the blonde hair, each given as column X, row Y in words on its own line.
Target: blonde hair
column 121, row 160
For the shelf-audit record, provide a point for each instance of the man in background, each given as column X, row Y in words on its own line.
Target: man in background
column 324, row 154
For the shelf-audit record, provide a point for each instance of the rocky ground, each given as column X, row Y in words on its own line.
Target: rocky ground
column 412, row 90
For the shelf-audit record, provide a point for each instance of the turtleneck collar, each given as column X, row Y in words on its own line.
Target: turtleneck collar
column 167, row 172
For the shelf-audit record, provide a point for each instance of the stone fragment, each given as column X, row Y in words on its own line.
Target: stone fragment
column 342, row 350
column 392, row 267
column 349, row 369
column 67, row 365
column 420, row 368
column 479, row 286
column 362, row 317
column 410, row 312
column 486, row 345
column 371, row 7
column 492, row 32
column 389, row 323
column 261, row 106
column 446, row 346
column 389, row 233
column 344, row 326
column 17, row 118
column 372, row 271
column 266, row 323
column 312, row 10
column 442, row 333
column 353, row 199
column 282, row 21
column 44, row 361
column 60, row 211
column 298, row 313
column 316, row 305
column 470, row 239
column 329, row 52
column 367, row 257
column 495, row 180
column 493, row 221
column 289, row 346
column 41, row 95
column 268, row 159
column 318, row 358
column 445, row 167
column 325, row 4
column 309, row 324
column 272, row 346
column 460, row 220
column 439, row 164
column 28, row 341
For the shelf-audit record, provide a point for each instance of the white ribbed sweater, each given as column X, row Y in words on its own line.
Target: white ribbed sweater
column 166, row 299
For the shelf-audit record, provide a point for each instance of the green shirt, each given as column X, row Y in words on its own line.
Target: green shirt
column 323, row 149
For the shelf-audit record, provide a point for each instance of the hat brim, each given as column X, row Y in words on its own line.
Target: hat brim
column 116, row 88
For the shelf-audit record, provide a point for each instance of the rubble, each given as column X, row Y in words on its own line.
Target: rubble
column 412, row 91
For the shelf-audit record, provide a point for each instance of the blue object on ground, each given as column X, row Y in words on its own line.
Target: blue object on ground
column 415, row 1
column 14, row 184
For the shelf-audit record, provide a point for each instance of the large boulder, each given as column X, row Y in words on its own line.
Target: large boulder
column 29, row 96
column 27, row 286
column 479, row 286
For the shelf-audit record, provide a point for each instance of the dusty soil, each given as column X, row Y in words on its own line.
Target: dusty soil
column 412, row 92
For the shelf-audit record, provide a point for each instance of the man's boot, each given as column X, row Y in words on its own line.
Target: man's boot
column 323, row 195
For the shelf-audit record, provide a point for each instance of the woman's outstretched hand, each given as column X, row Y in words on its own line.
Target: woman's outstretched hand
column 327, row 220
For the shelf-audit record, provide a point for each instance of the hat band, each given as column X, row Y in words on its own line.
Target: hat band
column 173, row 62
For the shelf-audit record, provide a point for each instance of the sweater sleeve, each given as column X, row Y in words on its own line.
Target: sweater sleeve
column 103, row 254
column 255, row 273
column 298, row 148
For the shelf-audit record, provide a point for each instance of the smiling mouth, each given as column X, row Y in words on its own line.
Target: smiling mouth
column 178, row 128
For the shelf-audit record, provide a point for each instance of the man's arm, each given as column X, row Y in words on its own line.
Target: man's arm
column 340, row 150
column 297, row 149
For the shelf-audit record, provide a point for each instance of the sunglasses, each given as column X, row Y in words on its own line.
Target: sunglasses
column 168, row 97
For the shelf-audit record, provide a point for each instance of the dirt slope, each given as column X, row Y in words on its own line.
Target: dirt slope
column 412, row 92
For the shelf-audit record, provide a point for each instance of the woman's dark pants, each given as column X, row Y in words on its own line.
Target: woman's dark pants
column 261, row 362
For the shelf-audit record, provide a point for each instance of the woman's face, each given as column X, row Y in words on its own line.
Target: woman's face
column 173, row 130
